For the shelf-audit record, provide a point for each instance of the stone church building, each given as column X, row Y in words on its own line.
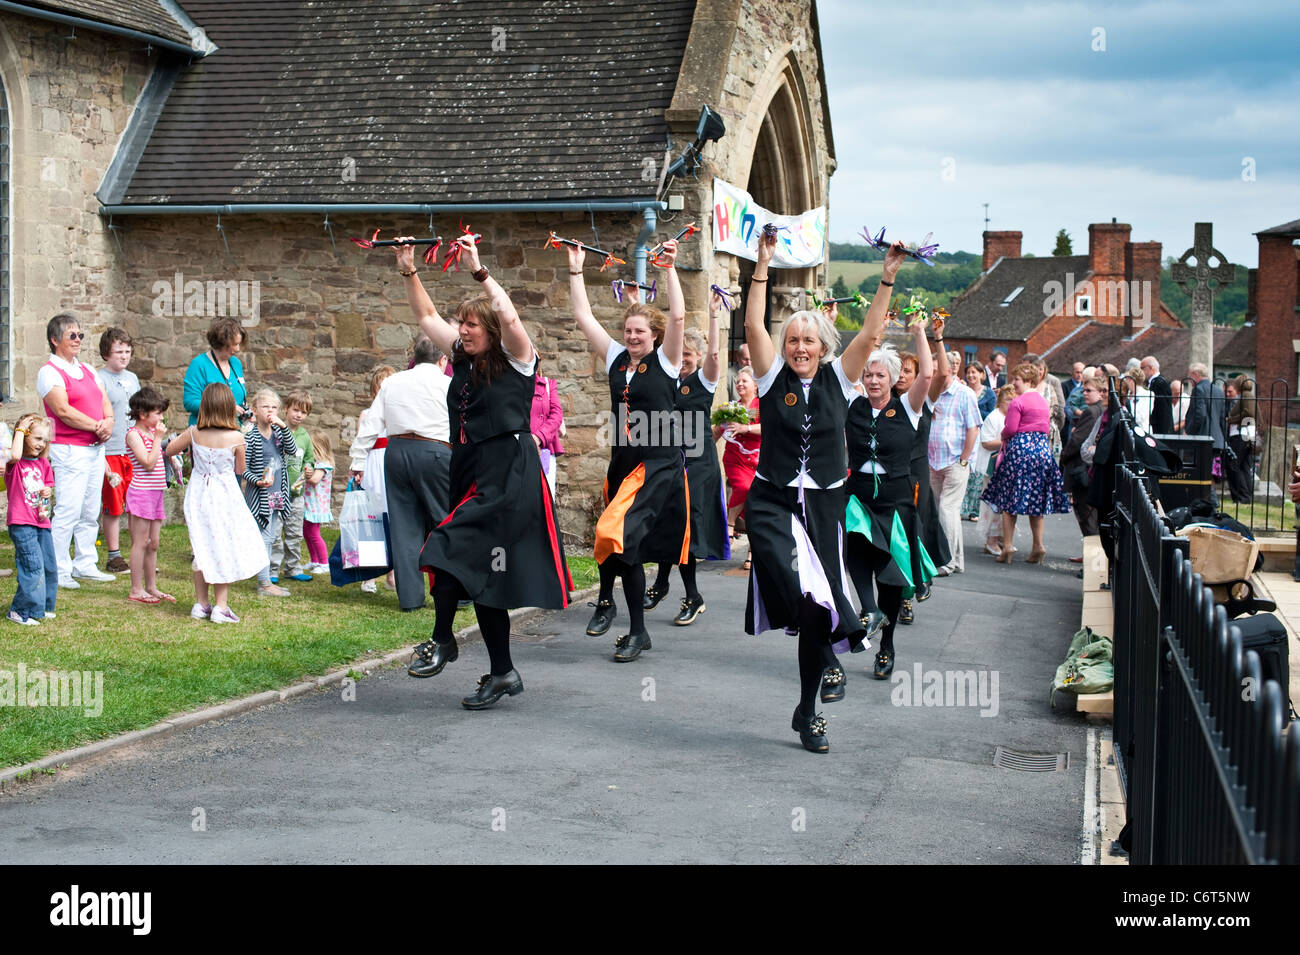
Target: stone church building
column 165, row 162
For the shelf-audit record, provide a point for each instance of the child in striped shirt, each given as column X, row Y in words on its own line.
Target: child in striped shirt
column 144, row 498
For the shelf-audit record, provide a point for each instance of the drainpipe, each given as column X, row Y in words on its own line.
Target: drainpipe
column 643, row 240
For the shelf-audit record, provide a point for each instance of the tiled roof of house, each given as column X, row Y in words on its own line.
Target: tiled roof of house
column 1096, row 342
column 1287, row 228
column 417, row 102
column 979, row 312
column 147, row 16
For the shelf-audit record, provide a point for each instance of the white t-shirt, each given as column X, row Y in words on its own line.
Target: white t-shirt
column 617, row 348
column 48, row 378
column 778, row 362
column 990, row 430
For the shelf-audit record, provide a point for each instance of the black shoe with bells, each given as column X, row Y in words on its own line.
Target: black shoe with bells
column 884, row 664
column 692, row 607
column 602, row 619
column 629, row 646
column 875, row 621
column 492, row 688
column 653, row 596
column 833, row 681
column 428, row 658
column 905, row 615
column 812, row 732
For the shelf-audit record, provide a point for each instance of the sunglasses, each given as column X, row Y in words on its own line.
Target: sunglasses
column 77, row 335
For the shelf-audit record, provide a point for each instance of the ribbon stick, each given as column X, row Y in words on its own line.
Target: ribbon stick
column 620, row 285
column 916, row 310
column 430, row 257
column 857, row 298
column 455, row 250
column 553, row 241
column 657, row 252
column 723, row 294
column 922, row 253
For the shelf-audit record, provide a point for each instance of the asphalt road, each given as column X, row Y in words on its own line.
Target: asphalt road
column 685, row 755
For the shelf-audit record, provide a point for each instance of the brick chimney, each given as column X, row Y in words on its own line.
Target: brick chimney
column 1106, row 243
column 1142, row 271
column 998, row 245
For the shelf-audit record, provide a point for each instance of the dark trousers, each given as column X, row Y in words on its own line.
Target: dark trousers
column 1238, row 470
column 38, row 571
column 1085, row 513
column 417, row 480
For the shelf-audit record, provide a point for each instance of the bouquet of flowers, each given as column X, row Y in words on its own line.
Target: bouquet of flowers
column 733, row 412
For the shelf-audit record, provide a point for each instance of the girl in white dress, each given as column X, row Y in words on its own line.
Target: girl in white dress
column 225, row 539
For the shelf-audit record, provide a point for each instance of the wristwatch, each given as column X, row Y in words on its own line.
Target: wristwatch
column 963, row 462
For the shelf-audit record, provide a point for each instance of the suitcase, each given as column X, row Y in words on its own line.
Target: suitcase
column 1265, row 634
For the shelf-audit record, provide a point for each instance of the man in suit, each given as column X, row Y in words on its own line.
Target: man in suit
column 1162, row 410
column 995, row 371
column 1206, row 413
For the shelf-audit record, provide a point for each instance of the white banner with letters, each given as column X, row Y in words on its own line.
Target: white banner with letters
column 738, row 221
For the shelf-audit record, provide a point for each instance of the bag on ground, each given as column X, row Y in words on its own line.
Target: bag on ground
column 1089, row 666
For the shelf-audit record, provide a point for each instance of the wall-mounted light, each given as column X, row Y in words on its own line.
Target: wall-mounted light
column 709, row 129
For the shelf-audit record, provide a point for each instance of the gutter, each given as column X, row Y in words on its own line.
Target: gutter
column 341, row 208
column 99, row 27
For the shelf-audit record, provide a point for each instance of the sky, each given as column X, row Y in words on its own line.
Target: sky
column 1158, row 114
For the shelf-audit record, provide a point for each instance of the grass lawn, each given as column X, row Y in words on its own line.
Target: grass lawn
column 853, row 273
column 1271, row 519
column 156, row 661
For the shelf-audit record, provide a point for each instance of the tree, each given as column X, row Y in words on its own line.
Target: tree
column 1063, row 246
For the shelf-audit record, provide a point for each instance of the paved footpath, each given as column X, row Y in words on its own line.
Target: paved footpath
column 685, row 755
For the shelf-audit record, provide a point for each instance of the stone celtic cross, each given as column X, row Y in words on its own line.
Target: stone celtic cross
column 1194, row 272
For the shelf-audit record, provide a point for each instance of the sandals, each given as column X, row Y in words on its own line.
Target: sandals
column 146, row 599
column 167, row 597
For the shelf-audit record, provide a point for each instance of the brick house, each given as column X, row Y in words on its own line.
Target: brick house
column 1275, row 307
column 1020, row 305
column 174, row 159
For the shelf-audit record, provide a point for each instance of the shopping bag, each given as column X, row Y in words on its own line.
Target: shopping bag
column 341, row 576
column 362, row 540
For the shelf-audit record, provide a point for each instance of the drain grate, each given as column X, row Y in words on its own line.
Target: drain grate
column 1005, row 758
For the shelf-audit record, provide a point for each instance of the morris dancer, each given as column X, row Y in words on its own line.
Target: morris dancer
column 796, row 505
column 500, row 545
column 709, row 537
column 647, row 513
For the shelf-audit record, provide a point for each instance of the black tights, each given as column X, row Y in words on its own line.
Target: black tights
column 815, row 653
column 687, row 571
column 493, row 622
column 864, row 565
column 633, row 589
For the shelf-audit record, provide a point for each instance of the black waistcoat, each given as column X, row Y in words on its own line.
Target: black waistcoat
column 695, row 405
column 479, row 412
column 893, row 433
column 642, row 408
column 799, row 432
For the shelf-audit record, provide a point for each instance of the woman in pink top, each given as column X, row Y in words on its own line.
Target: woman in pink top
column 1027, row 480
column 83, row 420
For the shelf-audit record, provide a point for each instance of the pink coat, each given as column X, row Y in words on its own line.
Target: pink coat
column 547, row 415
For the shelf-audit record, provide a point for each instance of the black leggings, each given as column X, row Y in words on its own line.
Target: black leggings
column 633, row 589
column 815, row 653
column 687, row 571
column 493, row 622
column 864, row 564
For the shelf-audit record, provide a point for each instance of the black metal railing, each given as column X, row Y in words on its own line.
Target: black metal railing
column 1209, row 774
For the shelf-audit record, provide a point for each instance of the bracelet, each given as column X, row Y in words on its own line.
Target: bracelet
column 479, row 275
column 938, row 341
column 757, row 280
column 883, row 282
column 407, row 274
column 571, row 272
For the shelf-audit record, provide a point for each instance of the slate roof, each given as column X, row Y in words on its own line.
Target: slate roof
column 978, row 312
column 412, row 99
column 1095, row 342
column 147, row 16
column 1287, row 228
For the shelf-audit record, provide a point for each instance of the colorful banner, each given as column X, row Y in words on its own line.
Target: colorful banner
column 738, row 221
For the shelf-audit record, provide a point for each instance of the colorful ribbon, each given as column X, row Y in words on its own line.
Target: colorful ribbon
column 430, row 257
column 651, row 290
column 922, row 253
column 657, row 251
column 553, row 241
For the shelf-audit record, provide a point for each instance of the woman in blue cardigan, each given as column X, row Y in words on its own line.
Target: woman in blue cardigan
column 218, row 364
